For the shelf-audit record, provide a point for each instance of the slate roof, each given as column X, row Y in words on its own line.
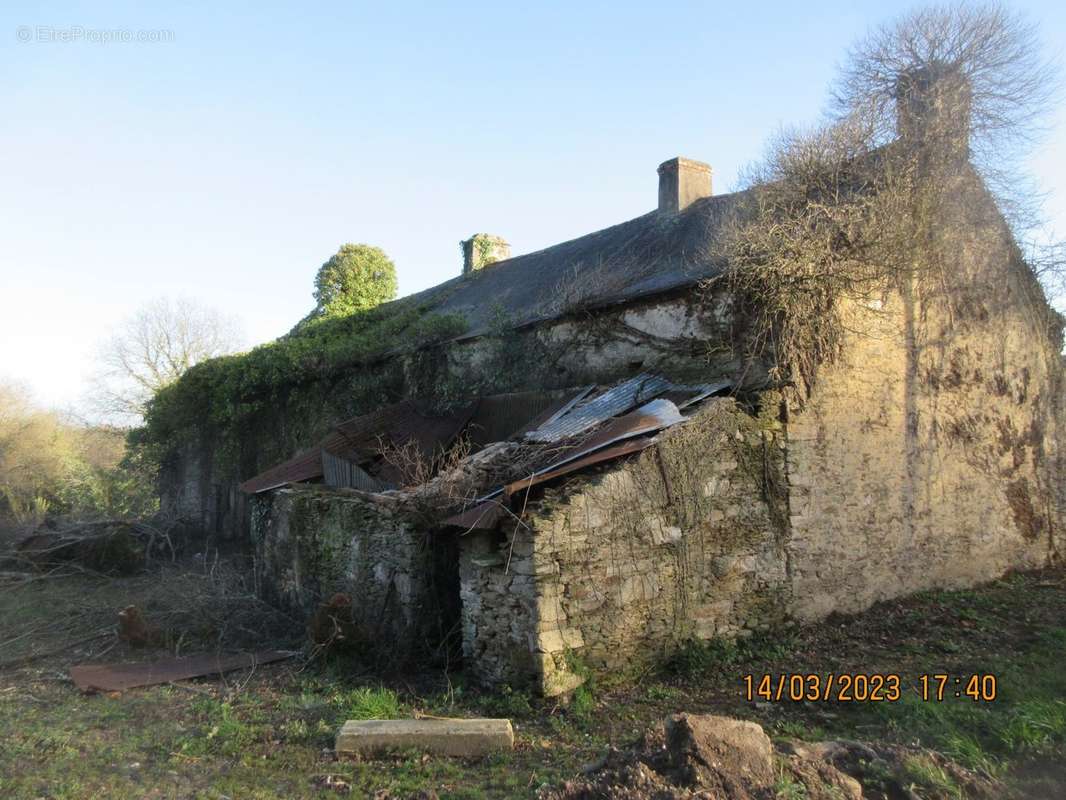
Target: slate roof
column 654, row 253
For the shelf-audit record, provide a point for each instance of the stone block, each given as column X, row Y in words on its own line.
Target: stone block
column 561, row 682
column 558, row 640
column 444, row 737
column 665, row 534
column 591, row 600
column 638, row 588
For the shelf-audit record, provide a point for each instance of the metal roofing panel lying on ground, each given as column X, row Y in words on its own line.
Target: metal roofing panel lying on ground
column 116, row 677
column 616, row 400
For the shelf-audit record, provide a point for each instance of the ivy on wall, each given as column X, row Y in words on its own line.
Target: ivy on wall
column 225, row 394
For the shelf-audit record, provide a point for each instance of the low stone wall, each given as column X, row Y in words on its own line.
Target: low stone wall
column 683, row 542
column 311, row 543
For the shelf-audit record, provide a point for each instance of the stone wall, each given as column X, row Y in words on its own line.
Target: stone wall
column 310, row 544
column 499, row 606
column 681, row 336
column 612, row 570
column 928, row 455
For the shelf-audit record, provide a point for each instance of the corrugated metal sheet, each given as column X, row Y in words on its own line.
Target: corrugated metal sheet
column 625, row 448
column 360, row 438
column 342, row 473
column 304, row 467
column 552, row 414
column 650, row 418
column 499, row 416
column 556, row 416
column 616, row 400
column 118, row 677
column 400, row 423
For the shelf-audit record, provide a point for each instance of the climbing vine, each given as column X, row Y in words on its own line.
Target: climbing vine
column 226, row 394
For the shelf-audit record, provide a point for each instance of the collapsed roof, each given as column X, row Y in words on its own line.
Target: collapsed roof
column 505, row 444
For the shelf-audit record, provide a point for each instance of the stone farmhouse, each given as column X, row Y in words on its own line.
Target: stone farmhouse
column 592, row 472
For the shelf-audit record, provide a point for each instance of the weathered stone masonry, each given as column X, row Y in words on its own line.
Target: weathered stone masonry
column 926, row 454
column 684, row 541
column 311, row 544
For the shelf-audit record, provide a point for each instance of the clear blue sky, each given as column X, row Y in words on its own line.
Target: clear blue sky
column 228, row 163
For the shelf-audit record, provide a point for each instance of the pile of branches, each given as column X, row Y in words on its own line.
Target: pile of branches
column 107, row 547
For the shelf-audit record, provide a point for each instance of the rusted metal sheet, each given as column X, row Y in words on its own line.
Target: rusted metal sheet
column 117, row 677
column 649, row 418
column 484, row 516
column 625, row 448
column 616, row 400
column 499, row 416
column 304, row 467
column 398, row 424
column 361, row 438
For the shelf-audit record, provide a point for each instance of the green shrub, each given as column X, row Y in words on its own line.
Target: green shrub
column 357, row 277
column 225, row 394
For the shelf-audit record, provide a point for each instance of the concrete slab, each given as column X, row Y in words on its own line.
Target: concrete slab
column 445, row 737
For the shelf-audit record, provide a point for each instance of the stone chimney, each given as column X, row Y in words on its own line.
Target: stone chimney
column 933, row 108
column 681, row 182
column 481, row 250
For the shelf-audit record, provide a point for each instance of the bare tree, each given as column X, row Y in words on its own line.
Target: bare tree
column 995, row 54
column 154, row 347
column 858, row 204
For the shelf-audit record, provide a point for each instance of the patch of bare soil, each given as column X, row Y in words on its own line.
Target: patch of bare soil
column 710, row 757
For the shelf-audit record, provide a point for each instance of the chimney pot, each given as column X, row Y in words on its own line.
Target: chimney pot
column 682, row 181
column 481, row 250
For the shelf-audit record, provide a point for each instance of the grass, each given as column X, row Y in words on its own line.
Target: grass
column 368, row 703
column 268, row 734
column 1027, row 718
column 924, row 772
column 787, row 788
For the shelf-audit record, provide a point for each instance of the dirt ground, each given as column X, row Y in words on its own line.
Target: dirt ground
column 267, row 733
